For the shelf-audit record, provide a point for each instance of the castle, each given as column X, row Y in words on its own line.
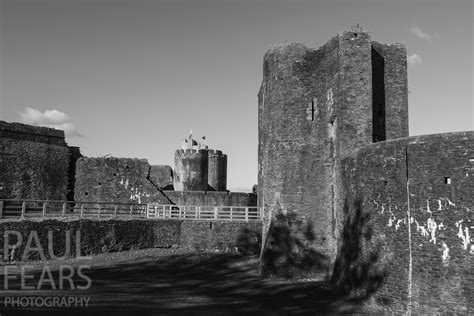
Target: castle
column 392, row 215
column 37, row 164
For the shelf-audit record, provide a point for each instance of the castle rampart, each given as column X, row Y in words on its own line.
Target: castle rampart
column 118, row 180
column 162, row 176
column 408, row 223
column 131, row 180
column 34, row 162
column 37, row 134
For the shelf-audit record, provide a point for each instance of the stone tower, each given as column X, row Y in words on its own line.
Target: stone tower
column 191, row 170
column 314, row 107
column 217, row 174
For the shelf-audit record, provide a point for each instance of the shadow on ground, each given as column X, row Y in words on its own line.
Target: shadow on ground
column 198, row 283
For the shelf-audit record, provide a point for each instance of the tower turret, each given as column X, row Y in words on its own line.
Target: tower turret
column 315, row 107
column 217, row 174
column 191, row 170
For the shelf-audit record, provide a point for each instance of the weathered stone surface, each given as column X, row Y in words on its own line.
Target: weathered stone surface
column 120, row 180
column 315, row 106
column 191, row 170
column 428, row 182
column 217, row 174
column 221, row 236
column 395, row 211
column 34, row 162
column 162, row 176
column 121, row 235
column 395, row 81
column 211, row 198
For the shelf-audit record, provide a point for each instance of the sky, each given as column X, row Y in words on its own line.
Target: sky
column 132, row 78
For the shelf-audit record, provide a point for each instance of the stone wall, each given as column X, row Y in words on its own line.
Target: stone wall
column 120, row 180
column 221, row 235
column 162, row 176
column 131, row 180
column 211, row 198
column 101, row 236
column 34, row 162
column 408, row 224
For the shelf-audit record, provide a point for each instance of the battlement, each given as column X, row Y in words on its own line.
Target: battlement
column 38, row 134
column 187, row 152
column 284, row 49
column 115, row 160
column 355, row 35
column 213, row 152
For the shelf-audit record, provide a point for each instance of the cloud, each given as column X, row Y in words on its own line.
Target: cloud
column 414, row 59
column 417, row 31
column 50, row 118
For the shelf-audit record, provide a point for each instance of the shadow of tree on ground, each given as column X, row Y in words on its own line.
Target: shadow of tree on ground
column 197, row 283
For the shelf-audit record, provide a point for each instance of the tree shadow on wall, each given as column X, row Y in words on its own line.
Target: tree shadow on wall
column 289, row 250
column 358, row 270
column 249, row 241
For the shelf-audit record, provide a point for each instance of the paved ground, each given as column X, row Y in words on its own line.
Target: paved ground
column 179, row 282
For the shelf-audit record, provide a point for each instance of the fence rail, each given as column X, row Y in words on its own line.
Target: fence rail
column 206, row 213
column 23, row 209
column 29, row 209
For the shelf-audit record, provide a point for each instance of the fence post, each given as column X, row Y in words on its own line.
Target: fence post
column 23, row 210
column 1, row 209
column 115, row 210
column 246, row 214
column 231, row 213
column 82, row 210
column 196, row 211
column 131, row 211
column 44, row 208
column 98, row 211
column 64, row 209
column 215, row 212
